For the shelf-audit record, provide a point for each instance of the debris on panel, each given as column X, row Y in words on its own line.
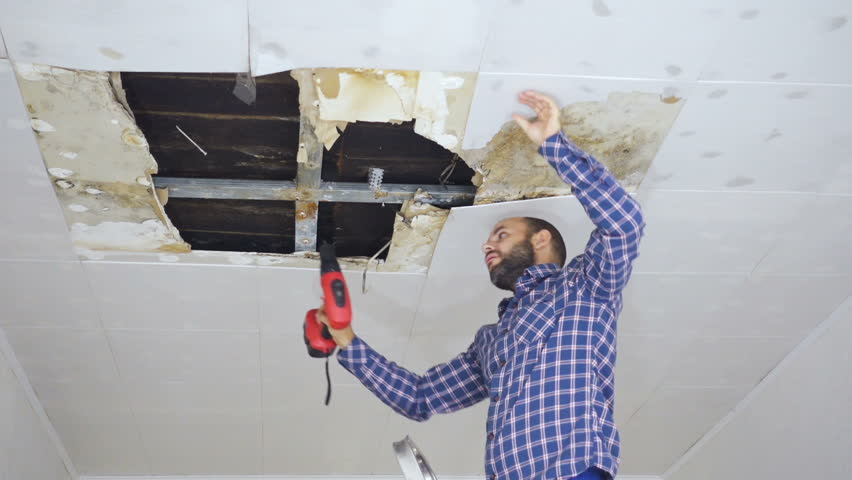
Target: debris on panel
column 415, row 234
column 624, row 132
column 437, row 102
column 99, row 159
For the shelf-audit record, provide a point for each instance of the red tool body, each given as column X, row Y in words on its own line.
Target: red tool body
column 338, row 307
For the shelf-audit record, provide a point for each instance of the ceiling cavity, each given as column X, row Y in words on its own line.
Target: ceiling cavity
column 281, row 163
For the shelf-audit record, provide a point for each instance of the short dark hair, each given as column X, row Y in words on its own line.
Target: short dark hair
column 535, row 225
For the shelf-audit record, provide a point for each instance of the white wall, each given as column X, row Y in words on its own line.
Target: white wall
column 798, row 424
column 26, row 450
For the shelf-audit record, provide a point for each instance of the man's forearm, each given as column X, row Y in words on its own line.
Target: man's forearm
column 395, row 386
column 443, row 388
column 602, row 196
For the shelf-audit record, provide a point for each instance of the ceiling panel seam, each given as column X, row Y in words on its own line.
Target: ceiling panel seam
column 34, row 403
column 754, row 392
column 146, row 458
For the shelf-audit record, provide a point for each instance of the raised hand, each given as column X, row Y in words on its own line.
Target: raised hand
column 546, row 123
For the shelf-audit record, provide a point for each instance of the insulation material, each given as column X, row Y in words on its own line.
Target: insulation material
column 438, row 102
column 624, row 133
column 415, row 234
column 98, row 160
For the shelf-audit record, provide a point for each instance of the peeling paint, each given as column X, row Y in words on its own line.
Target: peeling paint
column 624, row 132
column 437, row 102
column 96, row 144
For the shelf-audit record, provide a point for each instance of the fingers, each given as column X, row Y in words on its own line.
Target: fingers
column 321, row 315
column 541, row 103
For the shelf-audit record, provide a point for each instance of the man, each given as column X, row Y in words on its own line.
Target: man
column 547, row 366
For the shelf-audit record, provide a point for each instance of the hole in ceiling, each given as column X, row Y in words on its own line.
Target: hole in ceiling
column 197, row 128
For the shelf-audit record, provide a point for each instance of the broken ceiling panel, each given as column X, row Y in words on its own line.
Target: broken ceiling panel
column 438, row 103
column 621, row 122
column 670, row 39
column 222, row 138
column 441, row 35
column 189, row 36
column 98, row 161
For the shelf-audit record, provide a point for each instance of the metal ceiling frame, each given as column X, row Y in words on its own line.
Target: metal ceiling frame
column 308, row 189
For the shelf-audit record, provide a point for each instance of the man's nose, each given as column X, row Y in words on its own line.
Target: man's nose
column 487, row 248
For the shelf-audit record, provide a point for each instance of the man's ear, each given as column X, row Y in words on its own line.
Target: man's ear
column 541, row 240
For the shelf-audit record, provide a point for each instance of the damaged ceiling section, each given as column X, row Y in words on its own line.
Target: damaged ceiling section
column 370, row 160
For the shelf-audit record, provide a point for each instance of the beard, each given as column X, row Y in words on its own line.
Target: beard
column 505, row 275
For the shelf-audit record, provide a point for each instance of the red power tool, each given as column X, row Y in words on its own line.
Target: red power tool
column 338, row 308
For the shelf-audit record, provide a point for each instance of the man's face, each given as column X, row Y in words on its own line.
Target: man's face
column 508, row 252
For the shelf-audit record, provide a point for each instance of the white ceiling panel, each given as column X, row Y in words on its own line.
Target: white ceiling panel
column 775, row 305
column 191, row 36
column 201, row 356
column 771, row 146
column 675, row 304
column 820, row 242
column 86, row 397
column 186, row 443
column 605, row 37
column 727, row 361
column 284, row 359
column 671, row 421
column 52, row 354
column 710, row 232
column 776, row 41
column 29, row 443
column 643, row 361
column 496, row 97
column 33, row 225
column 227, row 397
column 440, row 35
column 300, row 433
column 8, row 388
column 101, row 445
column 784, row 424
column 175, row 297
column 46, row 294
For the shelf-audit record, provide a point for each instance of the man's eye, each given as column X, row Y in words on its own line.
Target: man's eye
column 502, row 234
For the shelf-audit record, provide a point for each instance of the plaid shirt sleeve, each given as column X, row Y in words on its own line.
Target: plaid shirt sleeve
column 614, row 244
column 442, row 389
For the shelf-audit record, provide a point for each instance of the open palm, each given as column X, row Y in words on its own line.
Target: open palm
column 546, row 123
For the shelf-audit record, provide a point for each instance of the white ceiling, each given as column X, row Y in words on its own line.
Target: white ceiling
column 198, row 367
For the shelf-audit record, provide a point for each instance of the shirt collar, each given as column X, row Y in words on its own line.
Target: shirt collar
column 533, row 276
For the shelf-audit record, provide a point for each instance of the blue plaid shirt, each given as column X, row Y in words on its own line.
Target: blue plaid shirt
column 547, row 366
